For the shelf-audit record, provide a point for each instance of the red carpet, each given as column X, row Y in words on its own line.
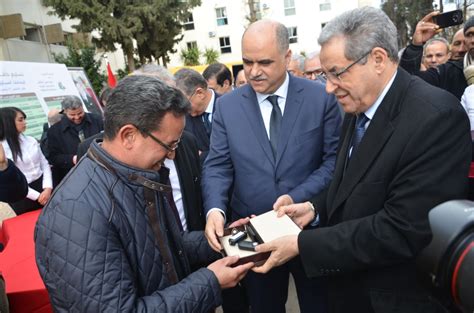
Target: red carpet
column 25, row 289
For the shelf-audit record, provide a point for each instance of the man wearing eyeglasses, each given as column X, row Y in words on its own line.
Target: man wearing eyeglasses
column 312, row 66
column 404, row 148
column 108, row 239
column 203, row 100
column 273, row 143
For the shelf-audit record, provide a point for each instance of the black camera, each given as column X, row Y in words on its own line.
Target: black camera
column 448, row 19
column 447, row 263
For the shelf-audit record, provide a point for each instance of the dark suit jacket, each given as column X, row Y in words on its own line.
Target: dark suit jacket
column 240, row 152
column 63, row 142
column 195, row 125
column 84, row 146
column 189, row 173
column 414, row 155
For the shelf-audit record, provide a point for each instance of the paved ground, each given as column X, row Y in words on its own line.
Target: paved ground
column 291, row 305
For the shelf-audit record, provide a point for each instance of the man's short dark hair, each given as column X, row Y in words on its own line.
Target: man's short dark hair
column 104, row 95
column 142, row 101
column 218, row 71
column 187, row 80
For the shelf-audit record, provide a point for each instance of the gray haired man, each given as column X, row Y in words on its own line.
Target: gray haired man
column 436, row 52
column 404, row 148
column 296, row 65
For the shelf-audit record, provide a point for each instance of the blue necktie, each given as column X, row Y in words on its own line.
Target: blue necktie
column 359, row 131
column 207, row 123
column 275, row 123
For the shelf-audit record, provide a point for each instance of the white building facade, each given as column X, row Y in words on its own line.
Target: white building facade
column 42, row 34
column 219, row 24
column 216, row 24
column 33, row 46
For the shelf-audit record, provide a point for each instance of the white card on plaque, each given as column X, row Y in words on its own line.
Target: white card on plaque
column 269, row 226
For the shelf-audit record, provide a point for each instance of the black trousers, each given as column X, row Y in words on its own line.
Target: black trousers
column 267, row 293
column 27, row 205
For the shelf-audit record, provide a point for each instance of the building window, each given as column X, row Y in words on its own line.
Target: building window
column 290, row 7
column 224, row 43
column 221, row 16
column 189, row 23
column 191, row 45
column 293, row 34
column 33, row 33
column 325, row 6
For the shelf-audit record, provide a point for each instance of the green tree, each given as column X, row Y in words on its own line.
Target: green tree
column 190, row 57
column 153, row 23
column 211, row 55
column 254, row 11
column 162, row 28
column 83, row 56
column 112, row 19
column 405, row 14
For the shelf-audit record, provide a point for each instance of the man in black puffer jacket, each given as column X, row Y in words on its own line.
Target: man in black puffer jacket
column 108, row 241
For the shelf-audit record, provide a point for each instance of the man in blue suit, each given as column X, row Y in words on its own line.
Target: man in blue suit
column 274, row 151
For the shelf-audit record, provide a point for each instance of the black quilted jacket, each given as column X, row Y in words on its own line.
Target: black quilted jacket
column 96, row 251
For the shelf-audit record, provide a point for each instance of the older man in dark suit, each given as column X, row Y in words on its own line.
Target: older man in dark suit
column 404, row 148
column 274, row 140
column 203, row 104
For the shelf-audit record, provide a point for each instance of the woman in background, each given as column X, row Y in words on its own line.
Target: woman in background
column 27, row 156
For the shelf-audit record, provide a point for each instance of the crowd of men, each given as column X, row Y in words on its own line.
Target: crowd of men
column 147, row 191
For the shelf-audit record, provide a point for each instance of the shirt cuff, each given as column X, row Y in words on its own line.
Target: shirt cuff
column 315, row 222
column 216, row 209
column 32, row 194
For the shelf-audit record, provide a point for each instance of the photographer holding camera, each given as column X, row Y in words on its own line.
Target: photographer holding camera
column 451, row 76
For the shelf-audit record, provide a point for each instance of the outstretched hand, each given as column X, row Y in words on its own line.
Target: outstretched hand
column 229, row 276
column 214, row 229
column 282, row 250
column 282, row 200
column 300, row 213
column 425, row 29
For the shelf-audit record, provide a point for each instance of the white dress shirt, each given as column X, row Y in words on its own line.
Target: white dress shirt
column 177, row 195
column 210, row 105
column 33, row 164
column 266, row 107
column 467, row 102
